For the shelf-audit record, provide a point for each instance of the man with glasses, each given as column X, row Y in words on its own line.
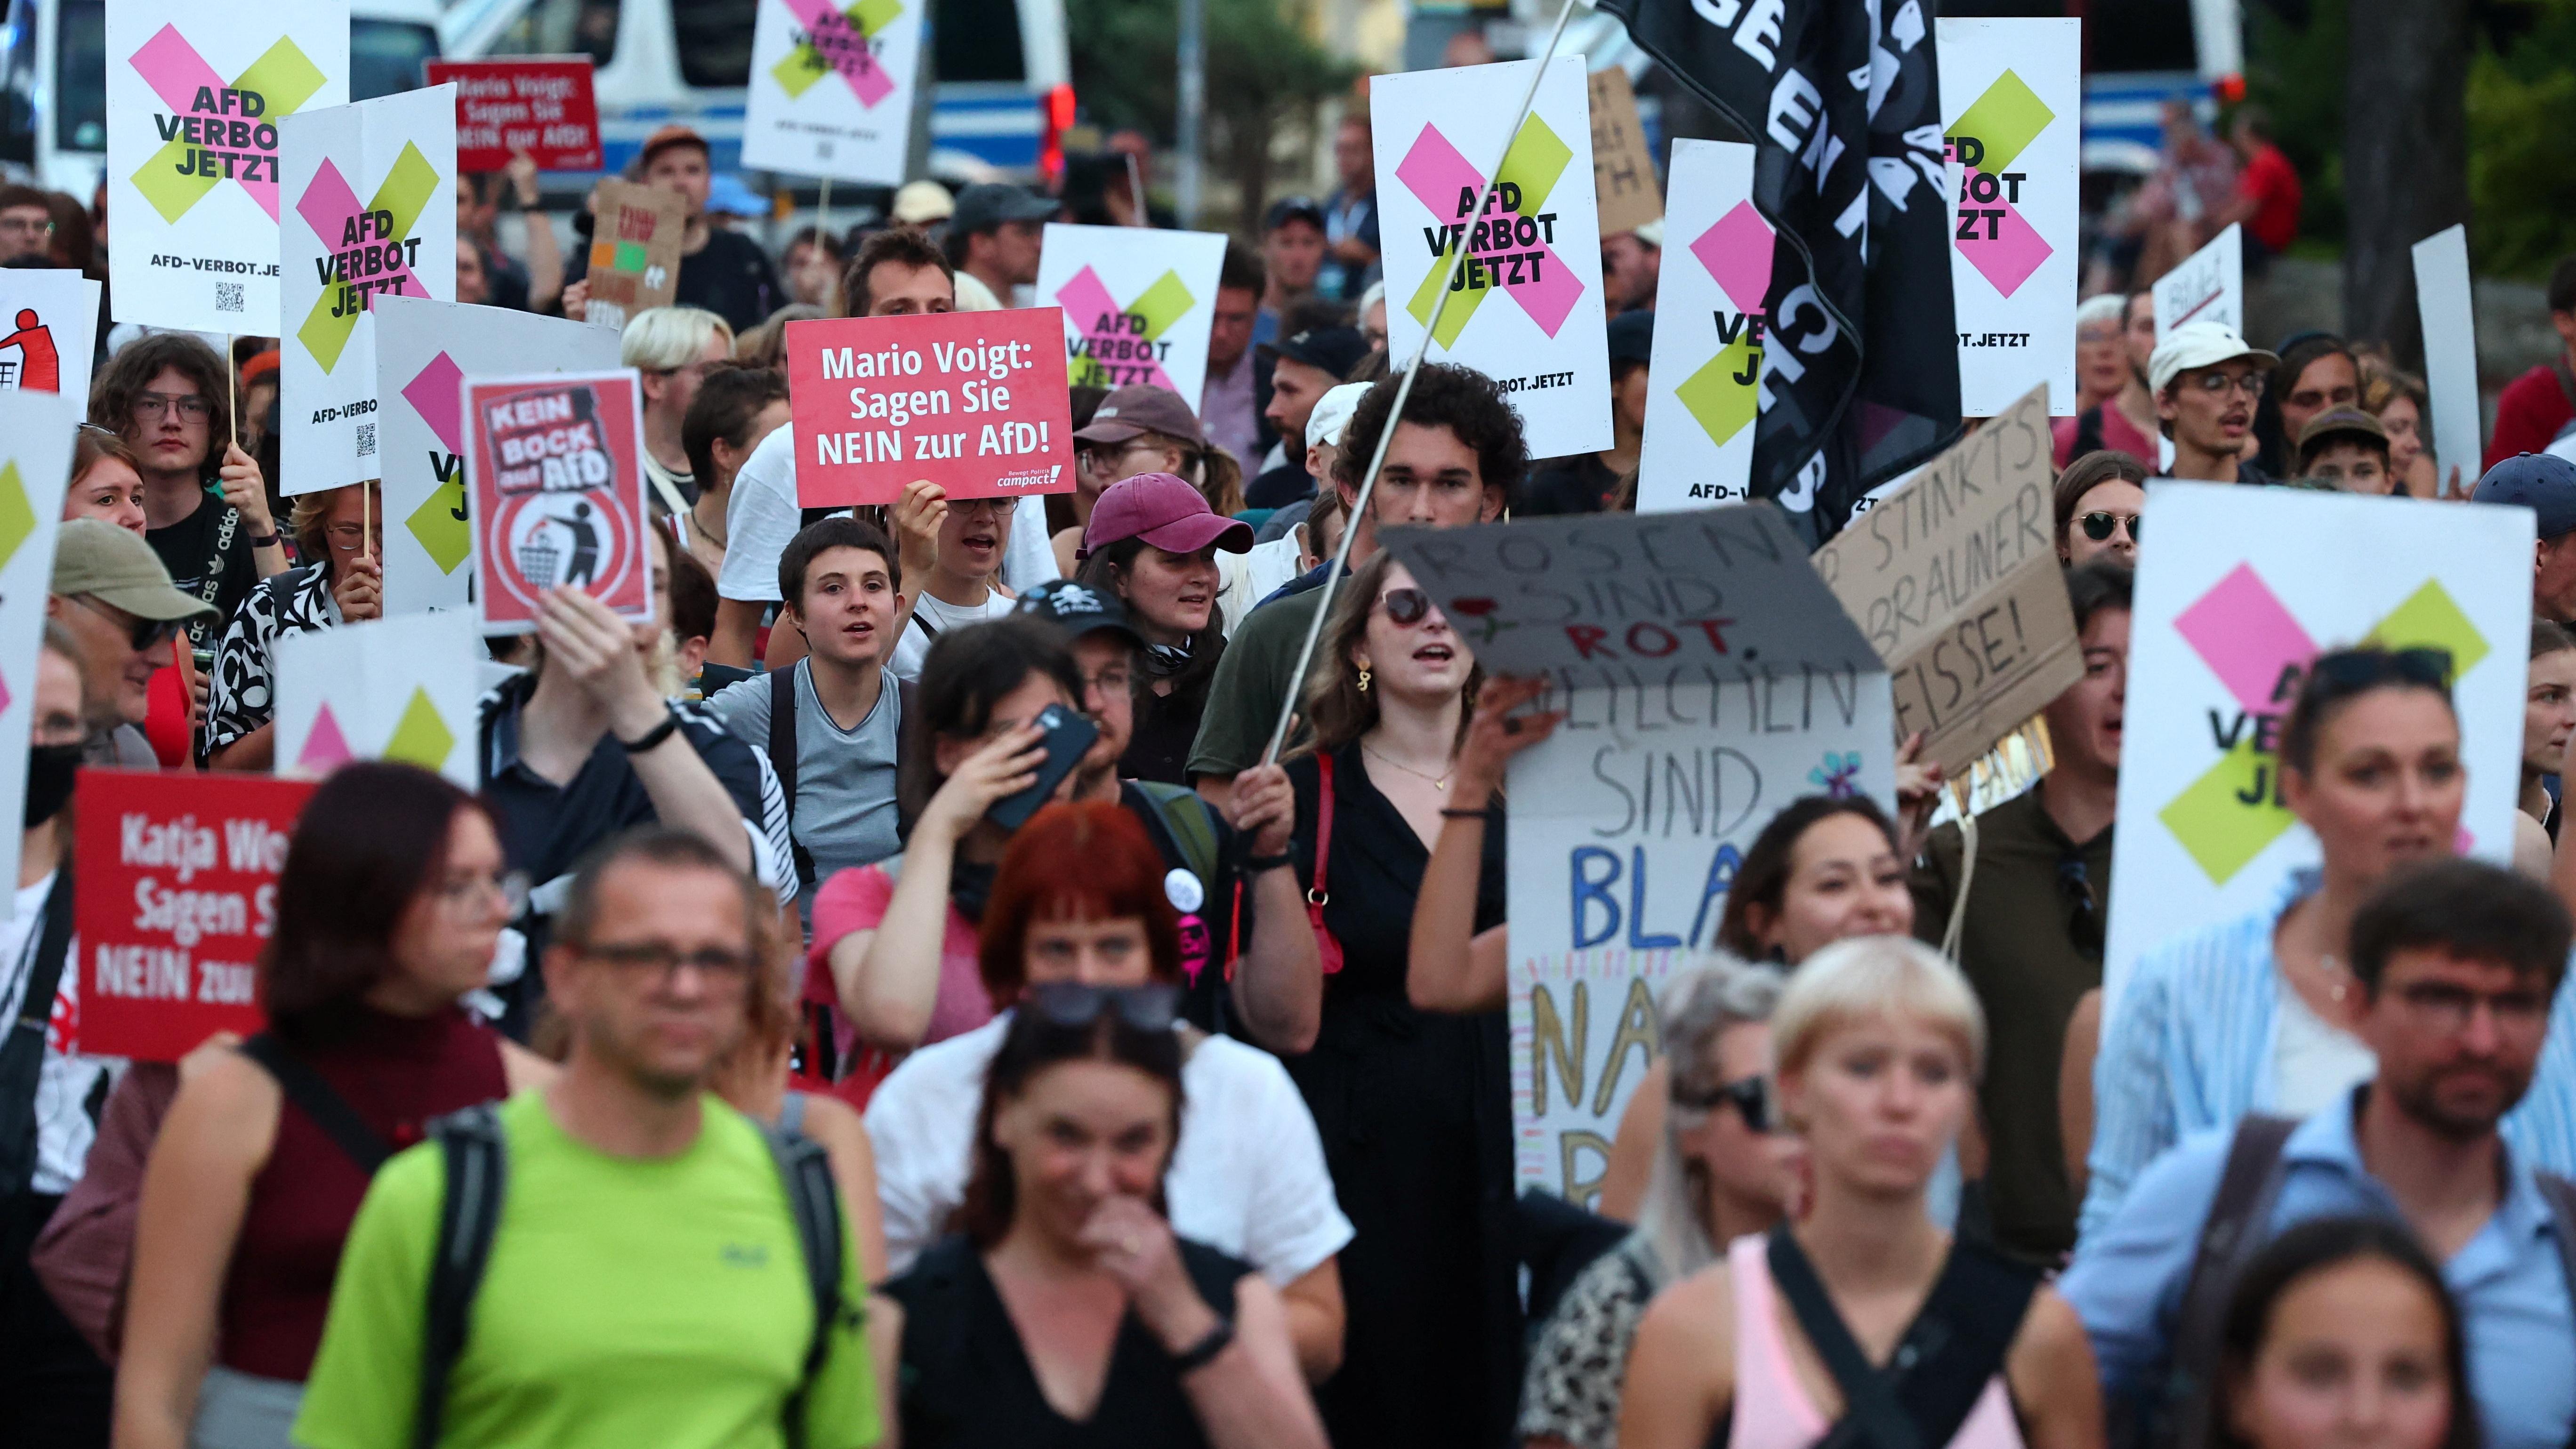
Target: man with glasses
column 647, row 1279
column 2457, row 964
column 26, row 224
column 2208, row 382
column 670, row 348
column 112, row 595
column 2031, row 944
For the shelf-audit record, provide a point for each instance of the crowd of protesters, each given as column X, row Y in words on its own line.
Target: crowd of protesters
column 737, row 1066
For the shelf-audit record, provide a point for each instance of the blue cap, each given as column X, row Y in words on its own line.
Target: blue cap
column 1632, row 337
column 2544, row 484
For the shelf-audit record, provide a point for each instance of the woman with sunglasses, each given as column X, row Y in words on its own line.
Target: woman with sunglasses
column 1878, row 1044
column 1248, row 1176
column 2255, row 1014
column 342, row 531
column 388, row 910
column 1723, row 1170
column 2098, row 499
column 1070, row 1310
column 1152, row 541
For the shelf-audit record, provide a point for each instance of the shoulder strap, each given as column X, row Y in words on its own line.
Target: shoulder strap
column 1193, row 827
column 22, row 1042
column 2245, row 1190
column 782, row 762
column 1868, row 1402
column 2560, row 1195
column 1958, row 1341
column 315, row 1097
column 908, row 736
column 805, row 1171
column 281, row 589
column 477, row 1161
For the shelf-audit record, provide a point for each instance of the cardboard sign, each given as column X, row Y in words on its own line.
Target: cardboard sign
column 52, row 331
column 634, row 251
column 2449, row 315
column 36, row 430
column 1524, row 306
column 174, row 902
column 1710, row 313
column 2011, row 94
column 540, row 104
column 423, row 349
column 555, row 469
column 1954, row 578
column 1708, row 679
column 972, row 401
column 1137, row 304
column 194, row 97
column 2244, row 587
column 381, row 689
column 371, row 213
column 832, row 88
column 1623, row 168
column 2209, row 286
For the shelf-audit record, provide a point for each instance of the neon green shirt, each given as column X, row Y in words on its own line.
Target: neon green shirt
column 627, row 1302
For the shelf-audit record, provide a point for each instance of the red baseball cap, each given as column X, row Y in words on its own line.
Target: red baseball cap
column 1166, row 511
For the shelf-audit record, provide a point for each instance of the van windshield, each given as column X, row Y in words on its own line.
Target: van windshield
column 80, row 77
column 979, row 40
column 714, row 40
column 387, row 57
column 563, row 27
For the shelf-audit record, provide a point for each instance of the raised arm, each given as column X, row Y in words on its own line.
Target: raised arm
column 1453, row 967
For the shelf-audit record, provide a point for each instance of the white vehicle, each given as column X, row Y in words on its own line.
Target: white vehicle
column 53, row 79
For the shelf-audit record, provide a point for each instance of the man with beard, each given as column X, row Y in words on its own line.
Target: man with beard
column 2456, row 964
column 2208, row 384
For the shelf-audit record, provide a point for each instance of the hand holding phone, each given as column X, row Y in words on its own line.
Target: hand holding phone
column 1067, row 737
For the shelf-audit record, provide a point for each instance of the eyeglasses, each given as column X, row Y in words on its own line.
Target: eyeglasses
column 25, row 226
column 2100, row 526
column 2219, row 382
column 1751, row 1097
column 1406, row 607
column 509, row 887
column 154, row 405
column 2350, row 671
column 1104, row 457
column 349, row 537
column 989, row 507
column 662, row 961
column 2451, row 1007
column 1072, row 1004
column 146, row 634
column 1113, row 681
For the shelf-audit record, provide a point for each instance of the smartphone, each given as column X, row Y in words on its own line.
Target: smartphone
column 1069, row 736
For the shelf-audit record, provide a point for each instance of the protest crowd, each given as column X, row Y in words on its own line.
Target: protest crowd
column 748, row 930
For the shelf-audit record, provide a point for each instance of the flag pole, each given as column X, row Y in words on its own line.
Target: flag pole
column 1404, row 389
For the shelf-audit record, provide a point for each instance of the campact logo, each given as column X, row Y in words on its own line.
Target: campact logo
column 1035, row 478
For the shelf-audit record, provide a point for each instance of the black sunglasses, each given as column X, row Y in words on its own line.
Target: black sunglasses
column 1751, row 1097
column 2099, row 526
column 2350, row 671
column 147, row 634
column 2084, row 908
column 1407, row 607
column 1072, row 1004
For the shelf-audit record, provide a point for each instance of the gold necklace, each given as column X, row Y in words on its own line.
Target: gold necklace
column 1438, row 782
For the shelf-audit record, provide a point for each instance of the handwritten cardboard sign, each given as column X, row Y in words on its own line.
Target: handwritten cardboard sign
column 634, row 251
column 1623, row 167
column 175, row 900
column 973, row 401
column 555, row 469
column 2209, row 286
column 1955, row 580
column 540, row 104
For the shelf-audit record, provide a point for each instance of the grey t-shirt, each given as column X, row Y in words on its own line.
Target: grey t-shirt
column 844, row 811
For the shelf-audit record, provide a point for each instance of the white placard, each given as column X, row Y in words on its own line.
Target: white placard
column 1526, row 305
column 2245, row 588
column 371, row 213
column 383, row 689
column 1709, row 678
column 422, row 349
column 2450, row 320
column 831, row 88
column 194, row 96
column 48, row 331
column 35, row 465
column 2209, row 286
column 1138, row 304
column 2011, row 96
column 1709, row 315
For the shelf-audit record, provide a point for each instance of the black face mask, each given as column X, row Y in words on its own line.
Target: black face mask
column 50, row 772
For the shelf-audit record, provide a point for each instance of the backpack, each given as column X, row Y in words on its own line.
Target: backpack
column 1191, row 824
column 476, row 1155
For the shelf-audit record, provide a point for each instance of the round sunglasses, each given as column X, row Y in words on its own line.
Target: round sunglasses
column 2099, row 526
column 1407, row 607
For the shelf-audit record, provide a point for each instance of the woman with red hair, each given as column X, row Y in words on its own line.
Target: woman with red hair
column 1079, row 898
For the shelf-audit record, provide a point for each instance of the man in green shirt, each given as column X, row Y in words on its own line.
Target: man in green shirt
column 646, row 1283
column 1457, row 454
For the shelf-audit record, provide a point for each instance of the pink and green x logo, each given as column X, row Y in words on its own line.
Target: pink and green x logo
column 1993, row 234
column 332, row 210
column 1117, row 342
column 283, row 80
column 439, row 521
column 1438, row 177
column 1736, row 250
column 836, row 40
column 2259, row 654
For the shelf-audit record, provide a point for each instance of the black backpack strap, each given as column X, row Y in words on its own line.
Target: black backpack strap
column 22, row 1043
column 814, row 1200
column 315, row 1097
column 477, row 1162
column 782, row 762
column 1958, row 1341
column 908, row 737
column 1870, row 1408
column 2246, row 1188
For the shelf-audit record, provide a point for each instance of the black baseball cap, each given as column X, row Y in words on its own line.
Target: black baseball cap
column 1336, row 350
column 1292, row 208
column 1632, row 337
column 2538, row 481
column 1078, row 609
column 988, row 204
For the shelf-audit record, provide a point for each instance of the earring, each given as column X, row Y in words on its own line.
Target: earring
column 1364, row 678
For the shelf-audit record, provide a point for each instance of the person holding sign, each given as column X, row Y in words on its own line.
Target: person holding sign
column 391, row 902
column 343, row 532
column 2208, row 385
column 1878, row 1045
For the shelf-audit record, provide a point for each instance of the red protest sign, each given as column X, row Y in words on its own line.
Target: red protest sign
column 174, row 900
column 555, row 468
column 972, row 401
column 541, row 105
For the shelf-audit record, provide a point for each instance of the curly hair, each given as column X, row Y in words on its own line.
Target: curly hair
column 1446, row 395
column 130, row 373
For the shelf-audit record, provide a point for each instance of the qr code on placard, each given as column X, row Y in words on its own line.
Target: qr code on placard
column 366, row 440
column 228, row 297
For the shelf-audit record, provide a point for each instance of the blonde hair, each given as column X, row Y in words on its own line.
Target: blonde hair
column 1870, row 976
column 666, row 339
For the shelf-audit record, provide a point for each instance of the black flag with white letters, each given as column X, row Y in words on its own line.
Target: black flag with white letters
column 1842, row 101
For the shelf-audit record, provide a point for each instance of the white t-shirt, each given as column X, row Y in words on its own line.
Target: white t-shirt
column 2315, row 1064
column 70, row 1088
column 1247, row 1178
column 914, row 646
column 763, row 515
